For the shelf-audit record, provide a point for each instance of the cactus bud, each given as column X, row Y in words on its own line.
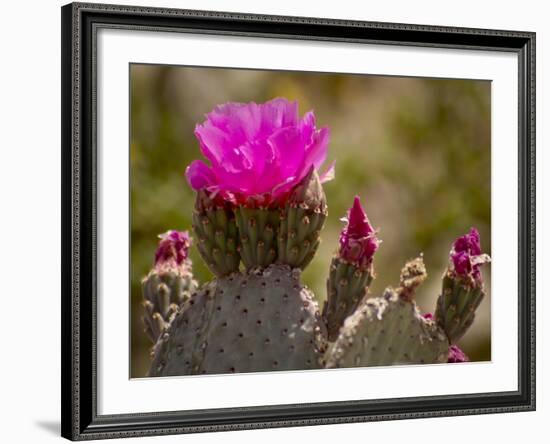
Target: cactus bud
column 358, row 241
column 456, row 355
column 258, row 228
column 216, row 230
column 351, row 271
column 173, row 249
column 462, row 290
column 169, row 283
column 302, row 219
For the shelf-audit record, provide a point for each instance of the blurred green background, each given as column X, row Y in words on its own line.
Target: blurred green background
column 417, row 151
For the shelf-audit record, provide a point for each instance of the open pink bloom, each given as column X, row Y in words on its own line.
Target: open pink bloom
column 358, row 241
column 456, row 355
column 173, row 248
column 257, row 152
column 466, row 255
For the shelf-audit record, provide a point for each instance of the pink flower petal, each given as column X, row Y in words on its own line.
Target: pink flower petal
column 258, row 151
column 329, row 173
column 278, row 113
column 199, row 175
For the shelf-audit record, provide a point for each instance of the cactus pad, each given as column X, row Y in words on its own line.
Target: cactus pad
column 387, row 330
column 264, row 320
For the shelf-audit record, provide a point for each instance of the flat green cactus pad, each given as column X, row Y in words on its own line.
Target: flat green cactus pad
column 264, row 320
column 387, row 330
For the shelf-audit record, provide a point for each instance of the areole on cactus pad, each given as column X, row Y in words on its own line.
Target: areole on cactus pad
column 258, row 217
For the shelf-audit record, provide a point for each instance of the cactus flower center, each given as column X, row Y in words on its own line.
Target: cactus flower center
column 257, row 152
column 358, row 241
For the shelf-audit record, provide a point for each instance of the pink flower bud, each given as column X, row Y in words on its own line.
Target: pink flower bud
column 358, row 241
column 466, row 257
column 456, row 355
column 173, row 248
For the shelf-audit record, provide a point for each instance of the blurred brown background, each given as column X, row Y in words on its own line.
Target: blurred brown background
column 417, row 151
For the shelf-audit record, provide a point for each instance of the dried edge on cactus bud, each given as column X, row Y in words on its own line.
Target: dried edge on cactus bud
column 413, row 274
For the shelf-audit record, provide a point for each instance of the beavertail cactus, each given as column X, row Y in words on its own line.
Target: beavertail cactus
column 259, row 212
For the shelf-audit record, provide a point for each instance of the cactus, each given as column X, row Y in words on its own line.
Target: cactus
column 259, row 212
column 169, row 284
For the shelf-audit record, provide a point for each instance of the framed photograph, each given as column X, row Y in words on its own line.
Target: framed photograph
column 279, row 221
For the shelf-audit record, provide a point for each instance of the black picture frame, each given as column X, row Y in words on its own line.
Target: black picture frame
column 79, row 172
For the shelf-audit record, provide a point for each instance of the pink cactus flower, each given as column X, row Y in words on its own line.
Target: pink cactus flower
column 257, row 152
column 173, row 249
column 466, row 256
column 456, row 355
column 358, row 241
